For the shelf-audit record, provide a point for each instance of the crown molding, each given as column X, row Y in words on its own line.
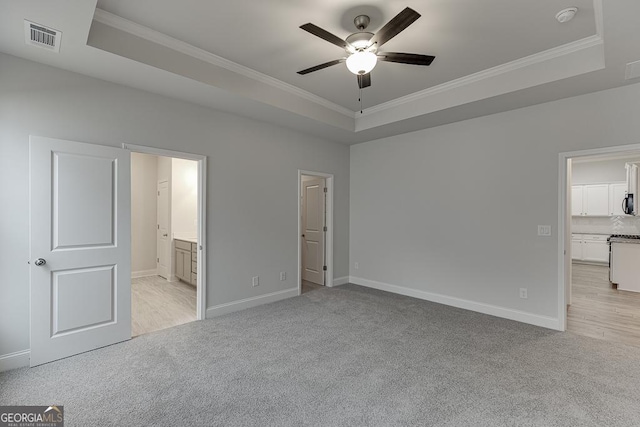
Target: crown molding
column 536, row 58
column 146, row 33
column 488, row 73
column 599, row 17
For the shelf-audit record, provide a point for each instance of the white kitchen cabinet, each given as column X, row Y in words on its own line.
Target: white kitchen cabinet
column 590, row 247
column 595, row 248
column 576, row 200
column 576, row 246
column 617, row 193
column 594, row 199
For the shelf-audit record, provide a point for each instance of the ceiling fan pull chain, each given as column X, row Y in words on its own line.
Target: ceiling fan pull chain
column 360, row 99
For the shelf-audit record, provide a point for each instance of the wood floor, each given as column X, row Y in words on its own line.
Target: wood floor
column 601, row 311
column 309, row 286
column 159, row 304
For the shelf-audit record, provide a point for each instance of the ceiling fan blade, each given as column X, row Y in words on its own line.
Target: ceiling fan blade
column 399, row 23
column 325, row 35
column 321, row 66
column 364, row 80
column 406, row 58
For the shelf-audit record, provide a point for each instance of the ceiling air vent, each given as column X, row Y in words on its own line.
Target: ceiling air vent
column 41, row 36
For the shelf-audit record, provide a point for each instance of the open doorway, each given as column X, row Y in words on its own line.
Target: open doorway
column 166, row 241
column 315, row 219
column 601, row 302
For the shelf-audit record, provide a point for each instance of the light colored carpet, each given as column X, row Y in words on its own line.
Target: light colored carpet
column 343, row 356
column 159, row 304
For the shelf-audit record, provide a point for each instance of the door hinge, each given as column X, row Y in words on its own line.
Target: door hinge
column 324, row 228
column 325, row 189
column 324, row 268
column 158, row 226
column 157, row 259
column 158, row 193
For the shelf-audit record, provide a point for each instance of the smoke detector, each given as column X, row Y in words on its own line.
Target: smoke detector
column 566, row 15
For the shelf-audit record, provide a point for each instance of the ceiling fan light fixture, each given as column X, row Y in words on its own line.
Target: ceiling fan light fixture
column 361, row 62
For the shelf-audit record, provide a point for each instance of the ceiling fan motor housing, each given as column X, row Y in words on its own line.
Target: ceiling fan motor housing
column 360, row 41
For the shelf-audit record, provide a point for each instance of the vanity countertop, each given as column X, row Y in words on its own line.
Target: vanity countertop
column 187, row 239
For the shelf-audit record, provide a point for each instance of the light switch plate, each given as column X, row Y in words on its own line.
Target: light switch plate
column 544, row 230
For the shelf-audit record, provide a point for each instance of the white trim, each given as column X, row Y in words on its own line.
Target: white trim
column 144, row 273
column 230, row 307
column 18, row 359
column 563, row 263
column 201, row 307
column 493, row 310
column 330, row 229
column 340, row 281
column 527, row 61
column 599, row 17
column 146, row 33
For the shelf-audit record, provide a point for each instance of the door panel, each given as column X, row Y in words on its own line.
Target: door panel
column 313, row 217
column 80, row 219
column 83, row 298
column 82, row 209
column 164, row 243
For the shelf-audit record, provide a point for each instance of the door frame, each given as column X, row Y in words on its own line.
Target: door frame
column 169, row 276
column 328, row 244
column 201, row 286
column 564, row 220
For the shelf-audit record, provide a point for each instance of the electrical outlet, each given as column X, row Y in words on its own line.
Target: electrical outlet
column 523, row 293
column 356, row 266
column 283, row 276
column 544, row 230
column 255, row 281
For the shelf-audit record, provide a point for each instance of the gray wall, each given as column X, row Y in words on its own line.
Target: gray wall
column 454, row 210
column 251, row 189
column 144, row 175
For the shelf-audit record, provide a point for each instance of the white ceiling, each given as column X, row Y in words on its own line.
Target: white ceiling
column 466, row 36
column 242, row 56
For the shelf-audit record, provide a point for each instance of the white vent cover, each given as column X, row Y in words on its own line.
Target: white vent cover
column 41, row 36
column 632, row 71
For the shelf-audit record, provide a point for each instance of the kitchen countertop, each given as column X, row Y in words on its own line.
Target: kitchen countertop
column 624, row 240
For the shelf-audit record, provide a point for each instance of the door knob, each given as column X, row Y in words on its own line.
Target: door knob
column 164, row 235
column 40, row 261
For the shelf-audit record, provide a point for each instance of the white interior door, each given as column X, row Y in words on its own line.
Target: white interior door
column 80, row 219
column 163, row 240
column 313, row 222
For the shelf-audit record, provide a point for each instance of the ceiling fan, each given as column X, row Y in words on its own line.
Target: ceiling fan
column 362, row 46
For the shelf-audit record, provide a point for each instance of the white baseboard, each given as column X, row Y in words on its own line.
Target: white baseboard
column 230, row 307
column 493, row 310
column 144, row 273
column 14, row 360
column 337, row 281
column 173, row 279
